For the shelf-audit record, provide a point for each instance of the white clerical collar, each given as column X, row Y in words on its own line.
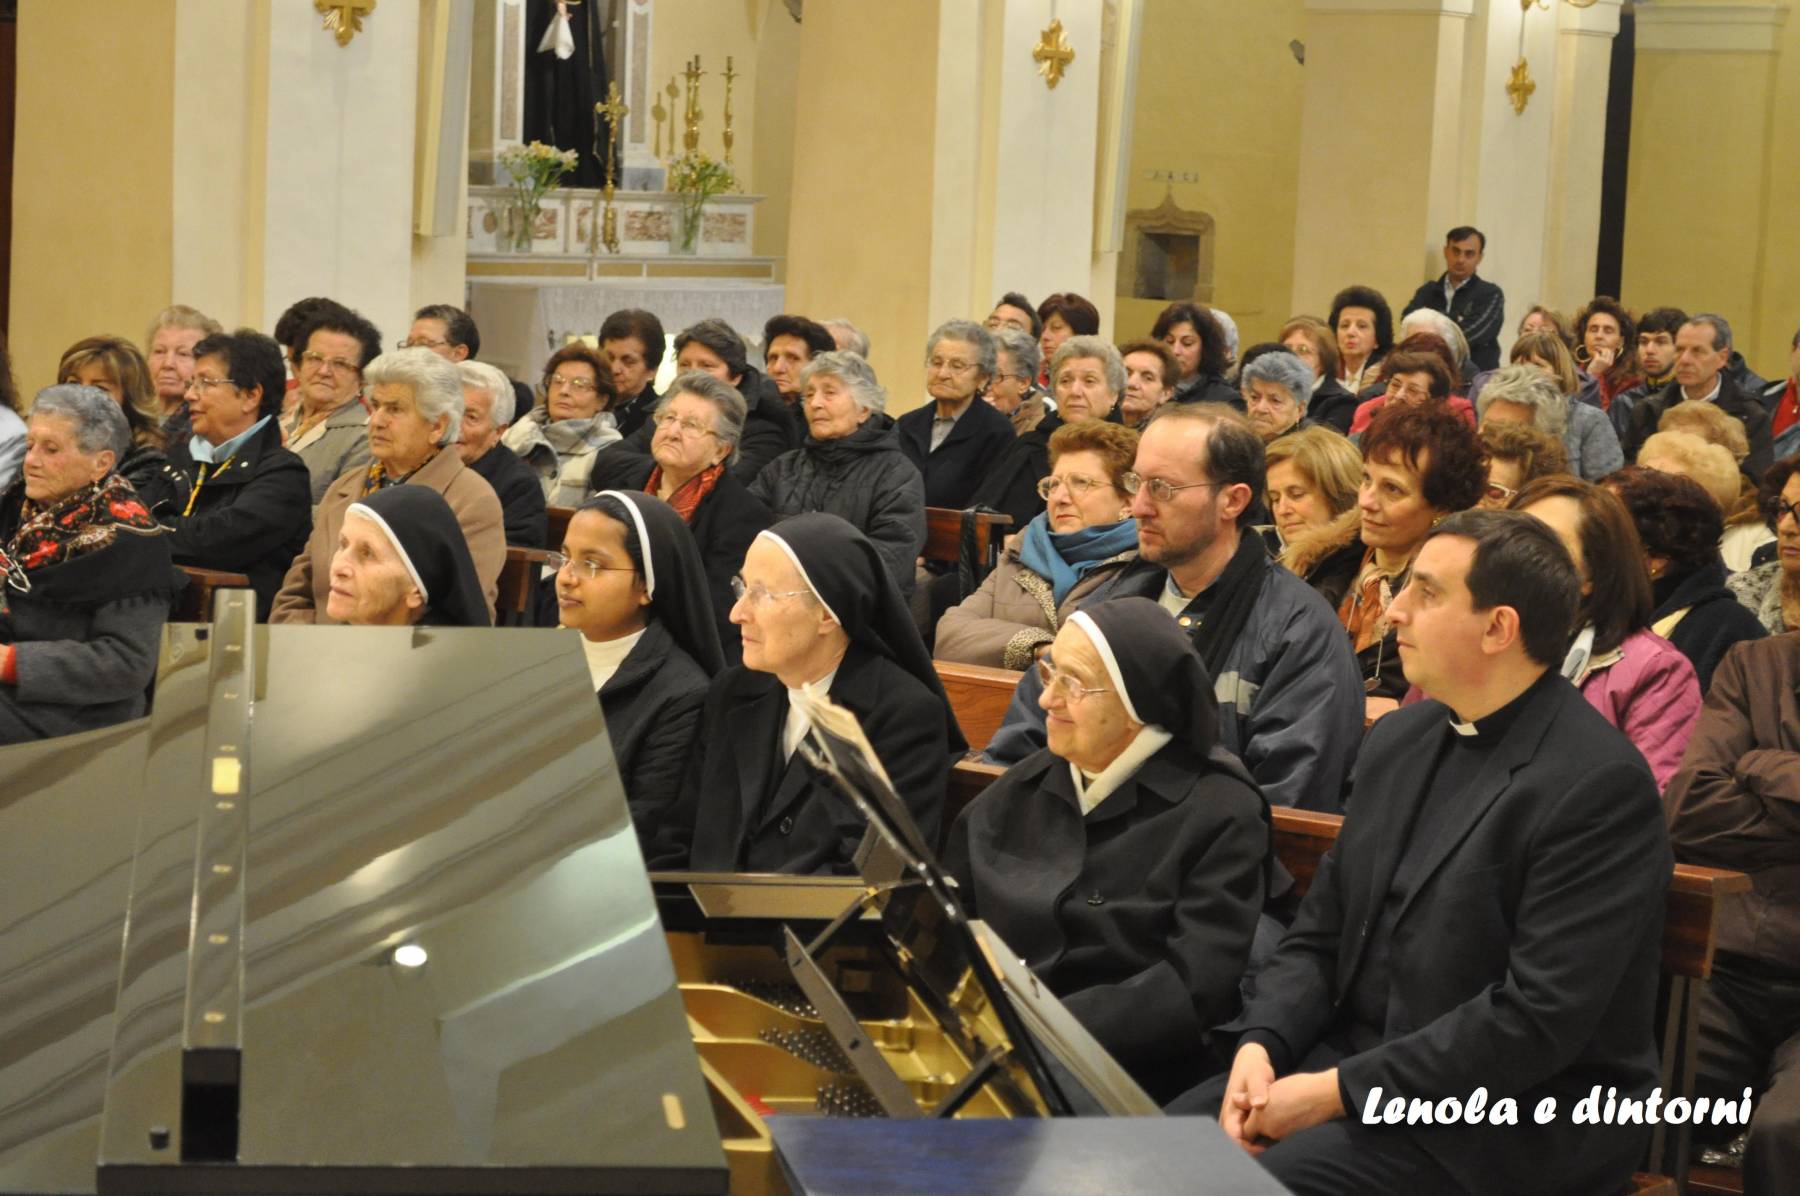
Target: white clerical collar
column 794, row 730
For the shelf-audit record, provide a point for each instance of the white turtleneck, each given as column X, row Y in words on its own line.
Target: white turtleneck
column 605, row 656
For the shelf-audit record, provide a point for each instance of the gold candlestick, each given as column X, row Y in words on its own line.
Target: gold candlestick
column 659, row 114
column 614, row 112
column 690, row 137
column 729, row 76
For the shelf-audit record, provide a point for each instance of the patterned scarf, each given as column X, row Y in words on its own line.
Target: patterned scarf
column 86, row 521
column 379, row 478
column 687, row 497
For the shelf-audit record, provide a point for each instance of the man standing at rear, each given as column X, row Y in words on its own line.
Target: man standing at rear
column 1477, row 305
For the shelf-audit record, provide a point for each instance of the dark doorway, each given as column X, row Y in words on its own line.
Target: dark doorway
column 1615, row 159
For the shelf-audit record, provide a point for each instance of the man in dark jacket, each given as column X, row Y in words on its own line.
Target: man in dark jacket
column 1477, row 305
column 1733, row 805
column 957, row 437
column 1487, row 927
column 1289, row 692
column 1702, row 352
column 250, row 501
column 487, row 411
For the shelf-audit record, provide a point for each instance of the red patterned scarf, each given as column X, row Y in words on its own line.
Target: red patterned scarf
column 83, row 522
column 688, row 496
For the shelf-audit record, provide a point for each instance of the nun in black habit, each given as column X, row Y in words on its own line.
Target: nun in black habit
column 1126, row 862
column 435, row 583
column 629, row 579
column 818, row 608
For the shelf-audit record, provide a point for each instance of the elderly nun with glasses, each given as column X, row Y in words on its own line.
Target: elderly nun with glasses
column 415, row 413
column 85, row 575
column 629, row 580
column 819, row 613
column 1128, row 860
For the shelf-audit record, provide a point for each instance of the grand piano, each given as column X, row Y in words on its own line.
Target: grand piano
column 361, row 911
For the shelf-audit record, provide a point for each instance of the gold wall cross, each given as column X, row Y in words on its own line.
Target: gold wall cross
column 1053, row 53
column 344, row 18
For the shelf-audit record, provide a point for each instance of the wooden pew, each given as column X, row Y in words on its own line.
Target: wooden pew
column 195, row 604
column 944, row 534
column 518, row 586
column 979, row 695
column 559, row 523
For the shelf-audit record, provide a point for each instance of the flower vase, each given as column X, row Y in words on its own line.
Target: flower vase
column 684, row 229
column 521, row 220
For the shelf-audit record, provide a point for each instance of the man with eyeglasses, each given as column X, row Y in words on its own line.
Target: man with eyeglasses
column 1290, row 696
column 248, row 508
column 328, row 426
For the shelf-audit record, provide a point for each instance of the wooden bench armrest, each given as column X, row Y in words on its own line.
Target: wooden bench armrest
column 979, row 696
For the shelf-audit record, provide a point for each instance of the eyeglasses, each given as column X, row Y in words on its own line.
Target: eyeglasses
column 336, row 365
column 559, row 561
column 579, row 385
column 938, row 365
column 1079, row 485
column 202, row 382
column 1784, row 510
column 1500, row 494
column 1160, row 490
column 682, row 425
column 760, row 595
column 1057, row 682
column 1397, row 389
column 420, row 342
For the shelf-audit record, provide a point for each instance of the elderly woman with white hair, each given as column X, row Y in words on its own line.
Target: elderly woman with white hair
column 85, row 575
column 955, row 438
column 415, row 413
column 1277, row 387
column 488, row 405
column 851, row 464
column 1527, row 392
column 1424, row 319
column 699, row 422
column 1014, row 392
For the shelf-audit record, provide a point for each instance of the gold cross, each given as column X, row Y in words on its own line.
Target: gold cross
column 1519, row 86
column 614, row 110
column 1053, row 54
column 344, row 17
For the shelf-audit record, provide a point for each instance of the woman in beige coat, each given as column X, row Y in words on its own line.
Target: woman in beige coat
column 1083, row 538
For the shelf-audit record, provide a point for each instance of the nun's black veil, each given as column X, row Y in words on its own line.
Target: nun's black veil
column 1165, row 681
column 674, row 576
column 847, row 573
column 419, row 523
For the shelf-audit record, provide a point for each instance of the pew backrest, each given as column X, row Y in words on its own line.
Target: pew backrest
column 944, row 536
column 979, row 695
column 194, row 604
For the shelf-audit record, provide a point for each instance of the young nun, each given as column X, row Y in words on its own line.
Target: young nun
column 1127, row 861
column 818, row 608
column 402, row 559
column 629, row 579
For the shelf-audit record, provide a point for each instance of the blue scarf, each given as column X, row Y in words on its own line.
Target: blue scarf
column 1064, row 558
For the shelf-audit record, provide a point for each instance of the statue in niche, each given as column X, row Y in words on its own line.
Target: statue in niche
column 562, row 89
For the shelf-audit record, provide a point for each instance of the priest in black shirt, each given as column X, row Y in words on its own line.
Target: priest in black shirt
column 1490, row 917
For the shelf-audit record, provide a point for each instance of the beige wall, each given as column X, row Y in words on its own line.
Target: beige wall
column 1219, row 96
column 860, row 236
column 1712, row 228
column 92, row 170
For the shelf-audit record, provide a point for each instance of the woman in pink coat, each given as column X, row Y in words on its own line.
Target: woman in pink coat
column 1639, row 681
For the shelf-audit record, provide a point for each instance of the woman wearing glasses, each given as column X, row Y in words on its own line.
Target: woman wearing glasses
column 561, row 436
column 327, row 425
column 85, row 576
column 629, row 580
column 818, row 613
column 696, row 428
column 1084, row 537
column 1128, row 860
column 1772, row 591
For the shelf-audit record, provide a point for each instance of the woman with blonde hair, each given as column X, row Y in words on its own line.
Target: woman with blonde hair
column 1711, row 465
column 114, row 365
column 1311, row 478
column 1745, row 528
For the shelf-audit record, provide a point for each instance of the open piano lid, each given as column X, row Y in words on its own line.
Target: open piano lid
column 304, row 801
